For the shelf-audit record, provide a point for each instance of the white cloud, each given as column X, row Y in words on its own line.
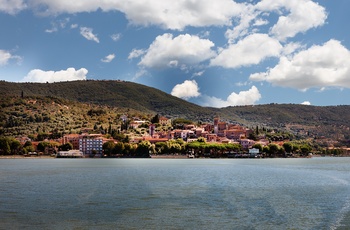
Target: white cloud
column 135, row 53
column 306, row 103
column 60, row 24
column 70, row 74
column 141, row 72
column 248, row 97
column 242, row 28
column 6, row 56
column 198, row 74
column 186, row 90
column 74, row 26
column 251, row 50
column 52, row 30
column 108, row 58
column 182, row 50
column 168, row 14
column 115, row 37
column 291, row 47
column 317, row 67
column 303, row 15
column 88, row 34
column 260, row 22
column 12, row 6
column 179, row 14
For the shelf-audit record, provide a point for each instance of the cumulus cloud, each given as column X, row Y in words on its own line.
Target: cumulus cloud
column 186, row 90
column 108, row 58
column 135, row 53
column 6, row 56
column 169, row 51
column 70, row 74
column 12, row 6
column 298, row 15
column 168, row 14
column 322, row 66
column 251, row 50
column 291, row 47
column 306, row 103
column 248, row 97
column 295, row 16
column 242, row 28
column 303, row 15
column 88, row 34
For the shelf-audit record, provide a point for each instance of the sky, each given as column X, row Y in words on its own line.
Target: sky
column 213, row 53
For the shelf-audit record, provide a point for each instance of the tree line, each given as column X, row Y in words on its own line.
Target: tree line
column 199, row 148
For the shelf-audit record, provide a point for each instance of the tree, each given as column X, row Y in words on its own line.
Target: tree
column 108, row 148
column 42, row 145
column 15, row 146
column 121, row 137
column 129, row 149
column 253, row 136
column 27, row 144
column 305, row 149
column 266, row 149
column 29, row 148
column 258, row 146
column 173, row 146
column 65, row 147
column 42, row 136
column 201, row 139
column 273, row 149
column 155, row 119
column 119, row 148
column 5, row 146
column 288, row 147
column 143, row 149
column 161, row 147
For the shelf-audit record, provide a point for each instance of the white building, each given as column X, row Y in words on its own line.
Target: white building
column 91, row 143
column 246, row 143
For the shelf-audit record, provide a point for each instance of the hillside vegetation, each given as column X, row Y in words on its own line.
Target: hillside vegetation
column 119, row 94
column 66, row 105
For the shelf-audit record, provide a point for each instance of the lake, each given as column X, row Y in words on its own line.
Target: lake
column 175, row 193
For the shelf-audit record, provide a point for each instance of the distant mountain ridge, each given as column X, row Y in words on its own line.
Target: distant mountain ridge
column 328, row 121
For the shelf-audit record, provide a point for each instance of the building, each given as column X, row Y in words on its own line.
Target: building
column 152, row 130
column 216, row 123
column 221, row 127
column 70, row 154
column 164, row 121
column 246, row 143
column 91, row 144
column 73, row 139
column 235, row 132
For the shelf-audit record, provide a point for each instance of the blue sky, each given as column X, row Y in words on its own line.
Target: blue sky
column 212, row 53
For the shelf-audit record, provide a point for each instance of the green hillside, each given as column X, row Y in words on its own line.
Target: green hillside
column 112, row 93
column 118, row 97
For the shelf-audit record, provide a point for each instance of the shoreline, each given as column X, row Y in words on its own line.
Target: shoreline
column 25, row 157
column 154, row 157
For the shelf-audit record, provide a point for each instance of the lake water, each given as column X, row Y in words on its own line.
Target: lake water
column 175, row 193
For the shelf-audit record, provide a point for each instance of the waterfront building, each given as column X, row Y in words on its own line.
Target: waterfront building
column 91, row 144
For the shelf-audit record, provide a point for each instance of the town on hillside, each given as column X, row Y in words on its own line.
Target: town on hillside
column 164, row 137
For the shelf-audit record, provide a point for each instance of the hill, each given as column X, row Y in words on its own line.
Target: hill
column 118, row 97
column 119, row 94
